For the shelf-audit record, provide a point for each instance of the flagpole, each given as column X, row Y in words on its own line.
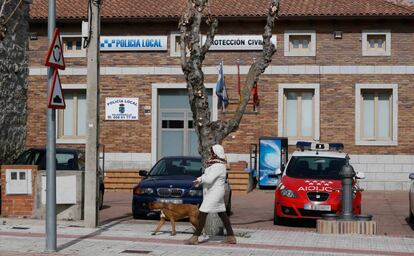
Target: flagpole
column 256, row 92
column 224, row 87
column 238, row 78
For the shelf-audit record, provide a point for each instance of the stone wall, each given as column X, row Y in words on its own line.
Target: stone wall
column 13, row 81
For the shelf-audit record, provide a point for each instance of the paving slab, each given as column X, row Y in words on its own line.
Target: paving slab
column 255, row 211
column 131, row 237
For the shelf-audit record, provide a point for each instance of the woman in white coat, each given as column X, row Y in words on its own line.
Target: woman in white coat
column 213, row 181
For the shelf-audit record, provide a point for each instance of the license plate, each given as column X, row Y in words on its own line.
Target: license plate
column 317, row 207
column 170, row 201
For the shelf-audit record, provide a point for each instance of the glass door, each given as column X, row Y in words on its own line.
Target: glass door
column 176, row 131
column 172, row 133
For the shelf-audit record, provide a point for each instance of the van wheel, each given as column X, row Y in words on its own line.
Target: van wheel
column 411, row 217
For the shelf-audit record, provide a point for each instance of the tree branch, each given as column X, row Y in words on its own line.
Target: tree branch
column 256, row 68
column 213, row 23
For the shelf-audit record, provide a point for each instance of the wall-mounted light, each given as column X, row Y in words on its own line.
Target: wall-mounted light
column 337, row 34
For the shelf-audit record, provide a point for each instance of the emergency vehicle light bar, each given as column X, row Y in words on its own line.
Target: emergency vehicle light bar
column 305, row 145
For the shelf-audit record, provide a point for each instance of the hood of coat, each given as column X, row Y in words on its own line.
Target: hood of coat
column 219, row 151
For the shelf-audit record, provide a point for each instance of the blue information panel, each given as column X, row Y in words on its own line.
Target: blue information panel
column 273, row 155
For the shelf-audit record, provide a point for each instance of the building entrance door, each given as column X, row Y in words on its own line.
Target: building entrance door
column 176, row 133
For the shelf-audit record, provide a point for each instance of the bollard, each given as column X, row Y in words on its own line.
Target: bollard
column 347, row 174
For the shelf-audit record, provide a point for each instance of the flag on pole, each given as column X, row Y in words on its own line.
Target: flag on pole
column 256, row 101
column 221, row 90
column 238, row 78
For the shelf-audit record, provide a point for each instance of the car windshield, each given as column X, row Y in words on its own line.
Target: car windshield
column 64, row 160
column 177, row 166
column 313, row 167
column 24, row 158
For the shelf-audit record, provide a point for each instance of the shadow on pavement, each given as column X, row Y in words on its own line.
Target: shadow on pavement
column 411, row 225
column 298, row 223
column 251, row 222
column 105, row 207
column 93, row 234
column 123, row 217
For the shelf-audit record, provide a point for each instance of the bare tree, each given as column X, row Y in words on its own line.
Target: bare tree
column 14, row 71
column 213, row 132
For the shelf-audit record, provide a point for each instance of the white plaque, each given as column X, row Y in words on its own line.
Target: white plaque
column 121, row 109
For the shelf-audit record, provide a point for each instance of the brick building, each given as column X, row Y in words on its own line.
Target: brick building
column 343, row 72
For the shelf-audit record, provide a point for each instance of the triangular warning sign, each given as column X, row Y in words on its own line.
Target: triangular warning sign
column 54, row 57
column 56, row 99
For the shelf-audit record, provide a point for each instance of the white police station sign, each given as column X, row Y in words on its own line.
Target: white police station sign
column 133, row 43
column 121, row 109
column 238, row 42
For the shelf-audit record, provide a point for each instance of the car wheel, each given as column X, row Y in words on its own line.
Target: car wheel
column 137, row 215
column 411, row 218
column 276, row 220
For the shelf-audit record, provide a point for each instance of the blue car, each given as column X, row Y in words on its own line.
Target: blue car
column 170, row 181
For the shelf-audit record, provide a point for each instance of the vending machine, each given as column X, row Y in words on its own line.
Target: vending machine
column 273, row 156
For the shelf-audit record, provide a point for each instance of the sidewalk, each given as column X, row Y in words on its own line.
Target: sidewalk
column 128, row 237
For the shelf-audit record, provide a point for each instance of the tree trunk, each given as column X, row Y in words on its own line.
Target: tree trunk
column 14, row 16
column 193, row 53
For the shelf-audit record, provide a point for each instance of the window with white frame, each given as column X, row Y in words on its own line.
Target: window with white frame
column 73, row 45
column 175, row 47
column 299, row 112
column 376, row 43
column 300, row 43
column 376, row 114
column 72, row 120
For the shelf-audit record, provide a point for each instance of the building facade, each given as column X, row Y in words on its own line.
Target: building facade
column 343, row 72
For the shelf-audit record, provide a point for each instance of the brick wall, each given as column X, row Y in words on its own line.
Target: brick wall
column 129, row 142
column 337, row 111
column 17, row 205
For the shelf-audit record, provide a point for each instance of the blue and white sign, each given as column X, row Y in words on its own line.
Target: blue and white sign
column 133, row 43
column 238, row 42
column 121, row 109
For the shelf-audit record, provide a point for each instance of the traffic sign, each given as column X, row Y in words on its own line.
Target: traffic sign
column 54, row 57
column 56, row 99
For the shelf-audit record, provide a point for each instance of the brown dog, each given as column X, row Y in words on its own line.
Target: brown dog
column 175, row 212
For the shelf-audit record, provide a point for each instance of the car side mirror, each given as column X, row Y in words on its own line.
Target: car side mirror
column 360, row 175
column 143, row 173
column 411, row 176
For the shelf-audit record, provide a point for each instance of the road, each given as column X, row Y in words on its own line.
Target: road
column 255, row 211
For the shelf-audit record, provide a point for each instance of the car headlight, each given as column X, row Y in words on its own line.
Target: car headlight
column 288, row 193
column 195, row 192
column 143, row 191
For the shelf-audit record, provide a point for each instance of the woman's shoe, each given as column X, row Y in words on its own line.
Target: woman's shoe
column 192, row 240
column 230, row 240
